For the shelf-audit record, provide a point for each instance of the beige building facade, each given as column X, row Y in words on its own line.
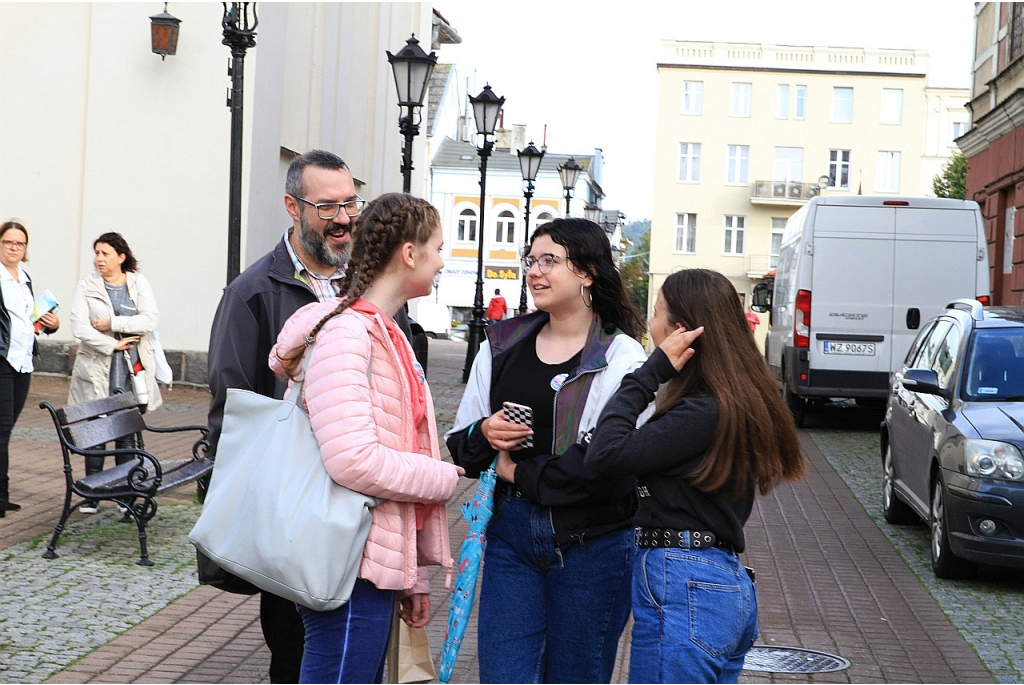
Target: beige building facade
column 748, row 133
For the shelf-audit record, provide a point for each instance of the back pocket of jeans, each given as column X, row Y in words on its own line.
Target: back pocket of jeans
column 716, row 616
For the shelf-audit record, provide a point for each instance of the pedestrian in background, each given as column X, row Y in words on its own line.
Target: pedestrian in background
column 307, row 265
column 753, row 320
column 113, row 313
column 17, row 342
column 555, row 592
column 377, row 434
column 719, row 433
column 496, row 308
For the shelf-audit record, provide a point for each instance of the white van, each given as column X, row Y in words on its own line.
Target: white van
column 857, row 277
column 435, row 318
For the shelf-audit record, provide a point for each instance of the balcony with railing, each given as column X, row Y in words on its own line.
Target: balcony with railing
column 782, row 192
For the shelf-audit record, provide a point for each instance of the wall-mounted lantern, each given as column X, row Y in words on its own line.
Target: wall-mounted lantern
column 164, row 31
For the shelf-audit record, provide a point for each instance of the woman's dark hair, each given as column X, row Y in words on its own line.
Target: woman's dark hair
column 14, row 223
column 386, row 224
column 588, row 248
column 120, row 246
column 755, row 442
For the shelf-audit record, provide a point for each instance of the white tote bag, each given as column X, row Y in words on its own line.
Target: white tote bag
column 273, row 516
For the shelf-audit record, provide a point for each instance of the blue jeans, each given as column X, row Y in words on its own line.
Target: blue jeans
column 348, row 645
column 540, row 621
column 695, row 616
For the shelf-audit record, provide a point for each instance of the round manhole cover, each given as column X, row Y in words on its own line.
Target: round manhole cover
column 792, row 660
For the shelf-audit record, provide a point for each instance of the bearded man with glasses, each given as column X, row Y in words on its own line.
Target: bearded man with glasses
column 306, row 266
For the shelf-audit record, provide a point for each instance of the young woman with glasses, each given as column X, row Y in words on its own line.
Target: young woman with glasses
column 720, row 432
column 17, row 342
column 555, row 591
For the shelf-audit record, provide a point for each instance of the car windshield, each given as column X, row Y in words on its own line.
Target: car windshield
column 995, row 369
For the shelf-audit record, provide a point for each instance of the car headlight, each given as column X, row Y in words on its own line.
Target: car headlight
column 992, row 459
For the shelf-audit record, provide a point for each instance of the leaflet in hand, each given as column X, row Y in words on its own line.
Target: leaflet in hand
column 46, row 302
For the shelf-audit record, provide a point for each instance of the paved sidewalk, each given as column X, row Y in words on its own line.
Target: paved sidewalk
column 828, row 579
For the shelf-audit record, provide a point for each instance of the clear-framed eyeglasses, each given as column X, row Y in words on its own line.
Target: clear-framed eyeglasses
column 544, row 262
column 329, row 210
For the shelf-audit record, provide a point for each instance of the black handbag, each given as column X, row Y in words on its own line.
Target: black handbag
column 213, row 575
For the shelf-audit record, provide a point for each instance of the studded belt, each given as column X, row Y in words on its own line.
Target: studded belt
column 683, row 539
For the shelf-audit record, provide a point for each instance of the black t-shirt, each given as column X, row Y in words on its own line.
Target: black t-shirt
column 525, row 379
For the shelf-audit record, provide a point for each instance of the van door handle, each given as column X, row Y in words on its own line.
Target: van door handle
column 913, row 318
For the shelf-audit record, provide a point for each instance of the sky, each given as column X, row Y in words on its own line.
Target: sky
column 589, row 71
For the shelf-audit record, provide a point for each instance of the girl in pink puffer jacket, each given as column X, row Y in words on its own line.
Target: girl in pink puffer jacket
column 372, row 414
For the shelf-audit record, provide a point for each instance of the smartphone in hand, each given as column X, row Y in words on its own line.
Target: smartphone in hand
column 519, row 413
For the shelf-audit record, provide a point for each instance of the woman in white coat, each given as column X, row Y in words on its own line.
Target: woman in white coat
column 113, row 315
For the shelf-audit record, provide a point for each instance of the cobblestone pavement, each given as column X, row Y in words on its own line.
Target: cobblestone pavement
column 55, row 612
column 988, row 610
column 828, row 579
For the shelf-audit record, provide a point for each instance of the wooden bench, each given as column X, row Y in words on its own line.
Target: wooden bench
column 84, row 429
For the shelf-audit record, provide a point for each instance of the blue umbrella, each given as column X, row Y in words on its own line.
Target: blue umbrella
column 478, row 512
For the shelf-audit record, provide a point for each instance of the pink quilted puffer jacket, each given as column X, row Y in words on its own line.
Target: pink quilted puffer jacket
column 360, row 408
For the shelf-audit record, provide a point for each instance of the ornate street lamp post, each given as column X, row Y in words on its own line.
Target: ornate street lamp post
column 529, row 163
column 570, row 171
column 239, row 35
column 412, row 68
column 486, row 108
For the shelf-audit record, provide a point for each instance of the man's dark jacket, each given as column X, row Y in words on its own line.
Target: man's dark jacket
column 251, row 313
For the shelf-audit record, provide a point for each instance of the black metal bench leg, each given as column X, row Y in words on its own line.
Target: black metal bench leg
column 51, row 549
column 141, row 519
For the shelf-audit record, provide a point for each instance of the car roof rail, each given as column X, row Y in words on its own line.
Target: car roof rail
column 973, row 307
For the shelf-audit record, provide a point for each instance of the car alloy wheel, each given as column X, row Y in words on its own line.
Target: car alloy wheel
column 945, row 564
column 895, row 510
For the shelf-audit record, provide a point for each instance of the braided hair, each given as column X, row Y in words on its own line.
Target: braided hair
column 386, row 224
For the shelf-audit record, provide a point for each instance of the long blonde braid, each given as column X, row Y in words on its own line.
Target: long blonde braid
column 387, row 223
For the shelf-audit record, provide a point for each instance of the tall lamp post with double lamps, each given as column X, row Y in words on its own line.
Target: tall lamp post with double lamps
column 529, row 163
column 570, row 171
column 486, row 109
column 412, row 68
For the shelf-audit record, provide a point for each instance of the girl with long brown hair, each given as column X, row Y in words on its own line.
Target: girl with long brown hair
column 719, row 433
column 377, row 433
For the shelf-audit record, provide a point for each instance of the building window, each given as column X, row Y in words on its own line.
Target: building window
column 542, row 218
column 839, row 168
column 788, row 164
column 842, row 105
column 693, row 97
column 467, row 225
column 686, row 233
column 740, row 103
column 800, row 102
column 782, row 102
column 775, row 241
column 738, row 164
column 506, row 228
column 689, row 162
column 733, row 234
column 892, row 106
column 959, row 129
column 887, row 176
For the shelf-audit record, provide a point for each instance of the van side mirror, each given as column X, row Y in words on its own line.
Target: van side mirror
column 761, row 298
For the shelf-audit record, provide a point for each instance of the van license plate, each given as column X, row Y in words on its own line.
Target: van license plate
column 855, row 348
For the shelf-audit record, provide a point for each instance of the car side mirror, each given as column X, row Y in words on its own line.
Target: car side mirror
column 761, row 298
column 922, row 380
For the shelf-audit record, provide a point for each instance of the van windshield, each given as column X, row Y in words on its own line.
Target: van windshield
column 995, row 369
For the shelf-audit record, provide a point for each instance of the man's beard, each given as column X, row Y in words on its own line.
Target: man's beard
column 316, row 246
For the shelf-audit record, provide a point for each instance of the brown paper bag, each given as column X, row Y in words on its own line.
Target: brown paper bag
column 409, row 659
